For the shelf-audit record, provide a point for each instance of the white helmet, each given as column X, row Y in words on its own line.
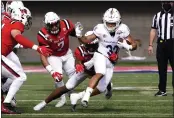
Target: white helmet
column 23, row 15
column 52, row 22
column 10, row 5
column 112, row 16
column 92, row 46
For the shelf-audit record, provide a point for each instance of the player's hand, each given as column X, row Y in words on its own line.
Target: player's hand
column 113, row 57
column 124, row 45
column 44, row 51
column 79, row 68
column 150, row 50
column 78, row 29
column 57, row 76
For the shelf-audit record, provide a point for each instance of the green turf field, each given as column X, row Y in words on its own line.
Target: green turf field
column 133, row 97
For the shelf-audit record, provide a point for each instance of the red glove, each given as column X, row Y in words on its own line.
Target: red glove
column 113, row 57
column 79, row 68
column 57, row 76
column 44, row 51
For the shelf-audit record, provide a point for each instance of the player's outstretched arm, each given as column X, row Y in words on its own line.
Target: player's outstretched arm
column 16, row 34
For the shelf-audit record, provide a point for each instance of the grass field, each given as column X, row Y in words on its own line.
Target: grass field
column 133, row 97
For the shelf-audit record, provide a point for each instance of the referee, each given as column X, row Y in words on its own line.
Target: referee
column 162, row 24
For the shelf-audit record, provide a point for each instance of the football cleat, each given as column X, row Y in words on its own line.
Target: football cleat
column 40, row 106
column 160, row 93
column 6, row 108
column 108, row 92
column 73, row 108
column 61, row 103
column 84, row 103
column 13, row 102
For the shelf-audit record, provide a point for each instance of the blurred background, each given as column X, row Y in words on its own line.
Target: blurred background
column 136, row 14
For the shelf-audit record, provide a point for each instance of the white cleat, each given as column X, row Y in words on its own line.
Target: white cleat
column 84, row 103
column 61, row 103
column 40, row 106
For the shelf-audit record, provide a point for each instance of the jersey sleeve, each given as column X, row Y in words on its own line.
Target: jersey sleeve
column 69, row 25
column 18, row 26
column 78, row 54
column 125, row 31
column 41, row 39
column 96, row 30
column 154, row 22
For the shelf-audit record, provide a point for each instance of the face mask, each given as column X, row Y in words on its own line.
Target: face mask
column 167, row 7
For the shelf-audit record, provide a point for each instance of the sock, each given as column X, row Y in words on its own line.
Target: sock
column 87, row 94
column 13, row 90
column 81, row 94
column 6, row 85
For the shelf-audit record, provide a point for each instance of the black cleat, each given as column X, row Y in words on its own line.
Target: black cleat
column 5, row 110
column 73, row 108
column 160, row 93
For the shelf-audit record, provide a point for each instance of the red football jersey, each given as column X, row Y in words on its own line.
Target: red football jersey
column 58, row 43
column 8, row 42
column 82, row 54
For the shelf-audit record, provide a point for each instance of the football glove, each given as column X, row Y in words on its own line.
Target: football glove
column 78, row 29
column 124, row 45
column 44, row 51
column 57, row 76
column 79, row 68
column 113, row 57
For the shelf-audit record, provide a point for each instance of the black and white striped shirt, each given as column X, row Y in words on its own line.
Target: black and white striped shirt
column 163, row 22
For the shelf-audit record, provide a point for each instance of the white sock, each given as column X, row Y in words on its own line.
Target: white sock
column 87, row 95
column 13, row 90
column 6, row 85
column 81, row 94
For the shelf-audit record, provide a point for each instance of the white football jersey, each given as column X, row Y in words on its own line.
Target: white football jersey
column 108, row 43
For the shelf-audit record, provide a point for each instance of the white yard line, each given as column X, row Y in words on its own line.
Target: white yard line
column 91, row 114
column 108, row 100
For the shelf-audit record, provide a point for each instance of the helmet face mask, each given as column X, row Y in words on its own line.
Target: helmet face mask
column 111, row 19
column 10, row 5
column 52, row 23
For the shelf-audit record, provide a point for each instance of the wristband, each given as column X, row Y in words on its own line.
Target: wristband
column 49, row 68
column 34, row 47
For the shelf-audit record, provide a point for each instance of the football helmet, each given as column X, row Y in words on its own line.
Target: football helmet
column 92, row 46
column 2, row 8
column 23, row 15
column 10, row 5
column 52, row 22
column 111, row 19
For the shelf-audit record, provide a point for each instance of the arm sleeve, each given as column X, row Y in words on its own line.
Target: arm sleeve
column 78, row 54
column 96, row 31
column 126, row 32
column 154, row 22
column 69, row 25
column 41, row 40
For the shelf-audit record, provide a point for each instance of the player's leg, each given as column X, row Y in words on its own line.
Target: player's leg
column 11, row 70
column 71, row 84
column 6, row 85
column 100, row 69
column 56, row 64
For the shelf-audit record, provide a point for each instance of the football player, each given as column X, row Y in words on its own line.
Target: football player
column 55, row 35
column 108, row 33
column 84, row 67
column 6, row 18
column 11, row 35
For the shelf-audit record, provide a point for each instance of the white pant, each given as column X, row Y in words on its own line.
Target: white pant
column 104, row 66
column 66, row 63
column 13, row 57
column 12, row 69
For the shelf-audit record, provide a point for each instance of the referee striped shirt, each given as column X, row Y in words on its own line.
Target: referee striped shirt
column 163, row 22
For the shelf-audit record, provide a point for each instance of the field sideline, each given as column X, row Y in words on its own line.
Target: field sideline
column 133, row 97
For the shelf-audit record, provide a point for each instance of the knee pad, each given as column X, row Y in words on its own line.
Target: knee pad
column 69, row 86
column 101, row 89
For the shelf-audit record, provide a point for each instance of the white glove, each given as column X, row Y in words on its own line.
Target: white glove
column 78, row 29
column 124, row 45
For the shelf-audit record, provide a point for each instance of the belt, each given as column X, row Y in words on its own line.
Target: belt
column 164, row 40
